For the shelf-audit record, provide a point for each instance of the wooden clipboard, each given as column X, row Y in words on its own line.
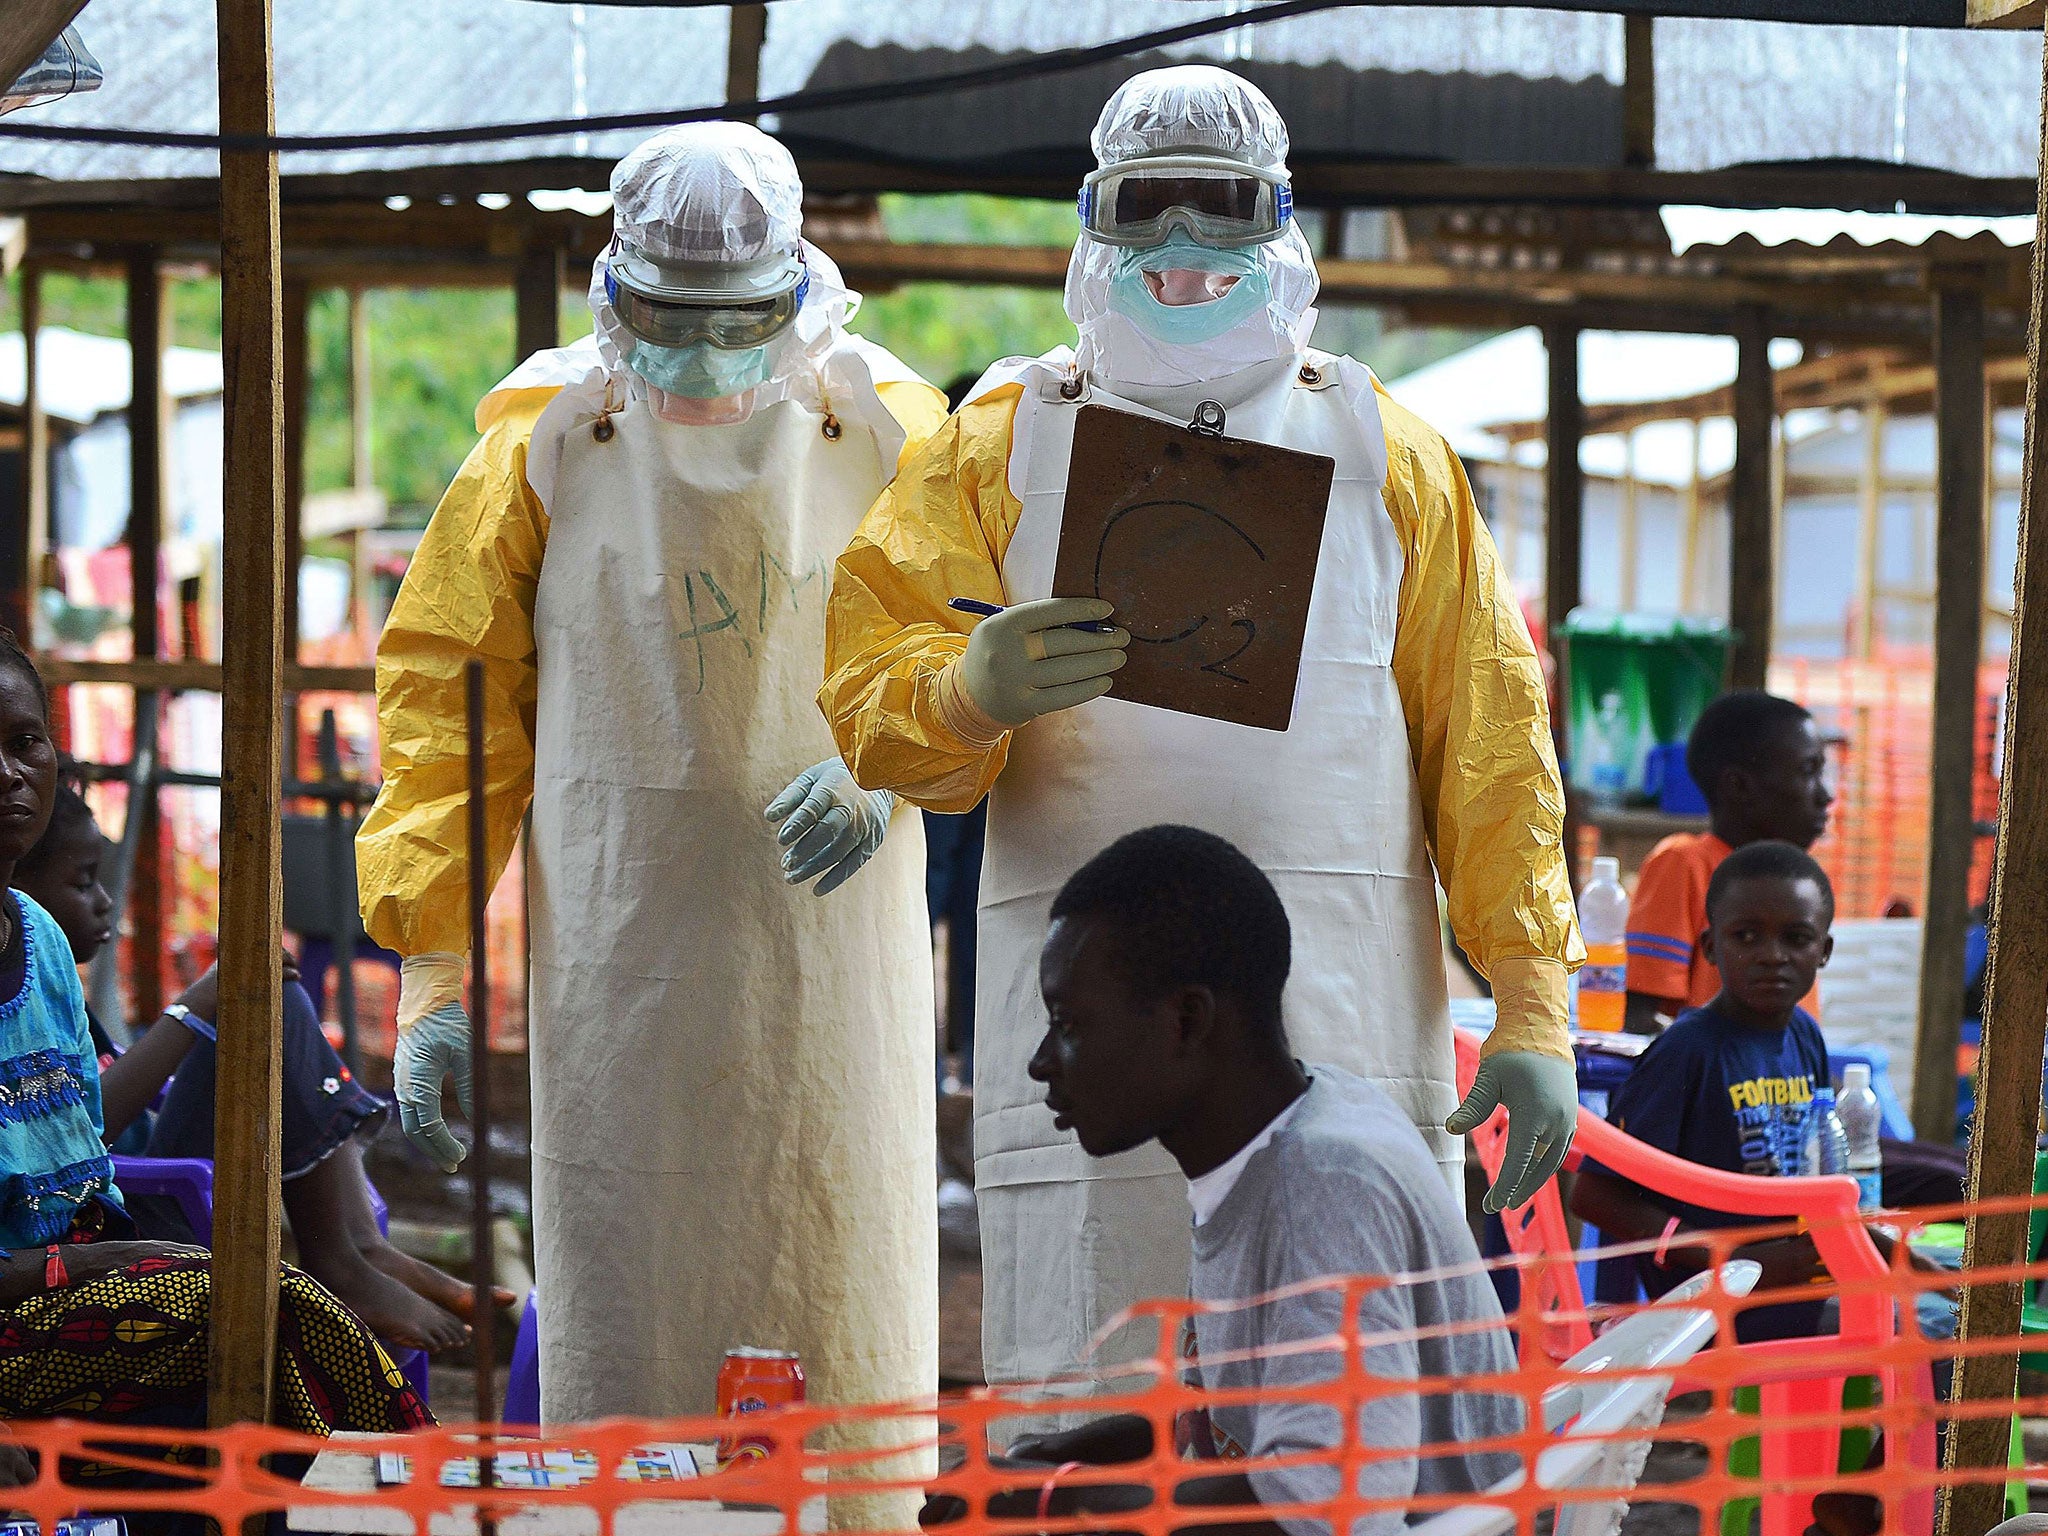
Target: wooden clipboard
column 1207, row 546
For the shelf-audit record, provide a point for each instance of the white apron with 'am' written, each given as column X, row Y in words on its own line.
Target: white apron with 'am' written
column 1329, row 809
column 732, row 1078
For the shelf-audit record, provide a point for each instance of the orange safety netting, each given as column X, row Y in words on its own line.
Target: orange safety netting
column 1881, row 714
column 1590, row 1419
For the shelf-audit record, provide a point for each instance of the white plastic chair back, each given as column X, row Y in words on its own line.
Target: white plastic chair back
column 1585, row 1413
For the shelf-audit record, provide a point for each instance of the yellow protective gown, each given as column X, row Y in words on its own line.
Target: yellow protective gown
column 709, row 1170
column 1470, row 684
column 469, row 594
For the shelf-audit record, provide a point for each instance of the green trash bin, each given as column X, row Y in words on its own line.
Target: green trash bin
column 1638, row 682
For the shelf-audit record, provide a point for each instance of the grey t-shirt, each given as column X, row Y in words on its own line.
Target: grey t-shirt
column 1347, row 1187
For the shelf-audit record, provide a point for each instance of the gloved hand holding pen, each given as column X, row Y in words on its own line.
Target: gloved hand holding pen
column 1026, row 661
column 433, row 1045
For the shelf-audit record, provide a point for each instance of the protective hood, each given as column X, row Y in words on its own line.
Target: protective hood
column 724, row 192
column 1190, row 107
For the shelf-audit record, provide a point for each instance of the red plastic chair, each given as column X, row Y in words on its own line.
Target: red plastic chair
column 1537, row 1236
column 1797, row 1378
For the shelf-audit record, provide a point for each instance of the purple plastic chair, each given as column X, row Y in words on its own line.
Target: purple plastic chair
column 189, row 1181
column 522, row 1391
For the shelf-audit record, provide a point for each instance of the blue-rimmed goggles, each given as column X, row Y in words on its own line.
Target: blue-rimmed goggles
column 1218, row 201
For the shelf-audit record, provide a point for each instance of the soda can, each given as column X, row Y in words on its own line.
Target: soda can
column 751, row 1381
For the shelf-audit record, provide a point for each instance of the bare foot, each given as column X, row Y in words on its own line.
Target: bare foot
column 394, row 1312
column 436, row 1285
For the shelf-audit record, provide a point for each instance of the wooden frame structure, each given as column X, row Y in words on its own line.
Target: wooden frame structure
column 270, row 253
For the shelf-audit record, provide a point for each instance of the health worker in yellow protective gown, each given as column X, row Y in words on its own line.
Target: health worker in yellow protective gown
column 732, row 1073
column 1419, row 749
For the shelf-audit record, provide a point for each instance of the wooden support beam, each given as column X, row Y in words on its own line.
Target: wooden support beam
column 362, row 459
column 537, row 301
column 32, row 25
column 1564, row 510
column 2006, row 13
column 149, row 333
column 2015, row 987
column 1751, row 516
column 1958, row 649
column 1639, row 94
column 188, row 676
column 1870, row 490
column 1564, row 483
column 743, row 47
column 246, row 1198
column 21, row 562
column 296, row 316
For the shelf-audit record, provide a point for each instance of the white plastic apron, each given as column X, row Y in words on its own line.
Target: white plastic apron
column 732, row 1078
column 1329, row 809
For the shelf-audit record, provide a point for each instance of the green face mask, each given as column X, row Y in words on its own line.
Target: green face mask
column 1188, row 324
column 700, row 371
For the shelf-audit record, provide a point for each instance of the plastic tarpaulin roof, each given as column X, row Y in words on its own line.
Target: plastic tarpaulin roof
column 1469, row 86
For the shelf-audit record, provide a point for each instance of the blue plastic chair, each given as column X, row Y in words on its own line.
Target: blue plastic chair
column 189, row 1182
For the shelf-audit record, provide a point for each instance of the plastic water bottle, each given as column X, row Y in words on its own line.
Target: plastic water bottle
column 1607, row 764
column 1603, row 920
column 1827, row 1144
column 1861, row 1119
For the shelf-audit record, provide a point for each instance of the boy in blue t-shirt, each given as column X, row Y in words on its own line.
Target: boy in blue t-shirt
column 1729, row 1085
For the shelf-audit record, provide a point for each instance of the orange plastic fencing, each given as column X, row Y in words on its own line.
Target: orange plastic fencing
column 903, row 1446
column 1875, row 851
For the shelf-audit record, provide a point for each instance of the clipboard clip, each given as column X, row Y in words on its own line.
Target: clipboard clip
column 1208, row 420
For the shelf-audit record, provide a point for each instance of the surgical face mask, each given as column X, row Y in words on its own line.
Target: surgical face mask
column 699, row 371
column 1189, row 324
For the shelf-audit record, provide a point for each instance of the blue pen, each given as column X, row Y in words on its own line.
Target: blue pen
column 990, row 610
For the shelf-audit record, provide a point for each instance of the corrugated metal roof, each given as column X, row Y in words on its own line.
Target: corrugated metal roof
column 1464, row 85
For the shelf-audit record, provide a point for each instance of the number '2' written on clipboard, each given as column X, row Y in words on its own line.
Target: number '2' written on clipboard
column 1206, row 545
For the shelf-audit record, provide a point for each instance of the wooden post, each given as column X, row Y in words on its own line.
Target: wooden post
column 1959, row 417
column 25, row 535
column 1870, row 522
column 245, row 1198
column 362, row 467
column 148, row 335
column 296, row 319
column 748, row 35
column 537, row 301
column 1751, row 537
column 2015, row 983
column 1564, row 494
column 1564, row 485
column 1639, row 94
column 297, row 314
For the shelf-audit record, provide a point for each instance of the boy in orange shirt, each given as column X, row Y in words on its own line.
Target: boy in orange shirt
column 1761, row 766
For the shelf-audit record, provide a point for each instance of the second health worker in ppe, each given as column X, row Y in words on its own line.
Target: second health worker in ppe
column 732, row 1078
column 1420, row 744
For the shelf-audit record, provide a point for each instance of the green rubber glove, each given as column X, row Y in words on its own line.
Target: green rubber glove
column 1542, row 1098
column 829, row 825
column 432, row 1049
column 1024, row 662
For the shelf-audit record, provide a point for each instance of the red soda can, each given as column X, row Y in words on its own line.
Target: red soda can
column 753, row 1381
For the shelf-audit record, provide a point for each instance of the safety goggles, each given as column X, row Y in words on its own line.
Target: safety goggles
column 734, row 327
column 1217, row 201
column 672, row 304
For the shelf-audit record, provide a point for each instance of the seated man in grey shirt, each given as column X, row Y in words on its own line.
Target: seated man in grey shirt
column 1162, row 973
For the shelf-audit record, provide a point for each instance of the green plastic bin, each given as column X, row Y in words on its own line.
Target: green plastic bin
column 1638, row 681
